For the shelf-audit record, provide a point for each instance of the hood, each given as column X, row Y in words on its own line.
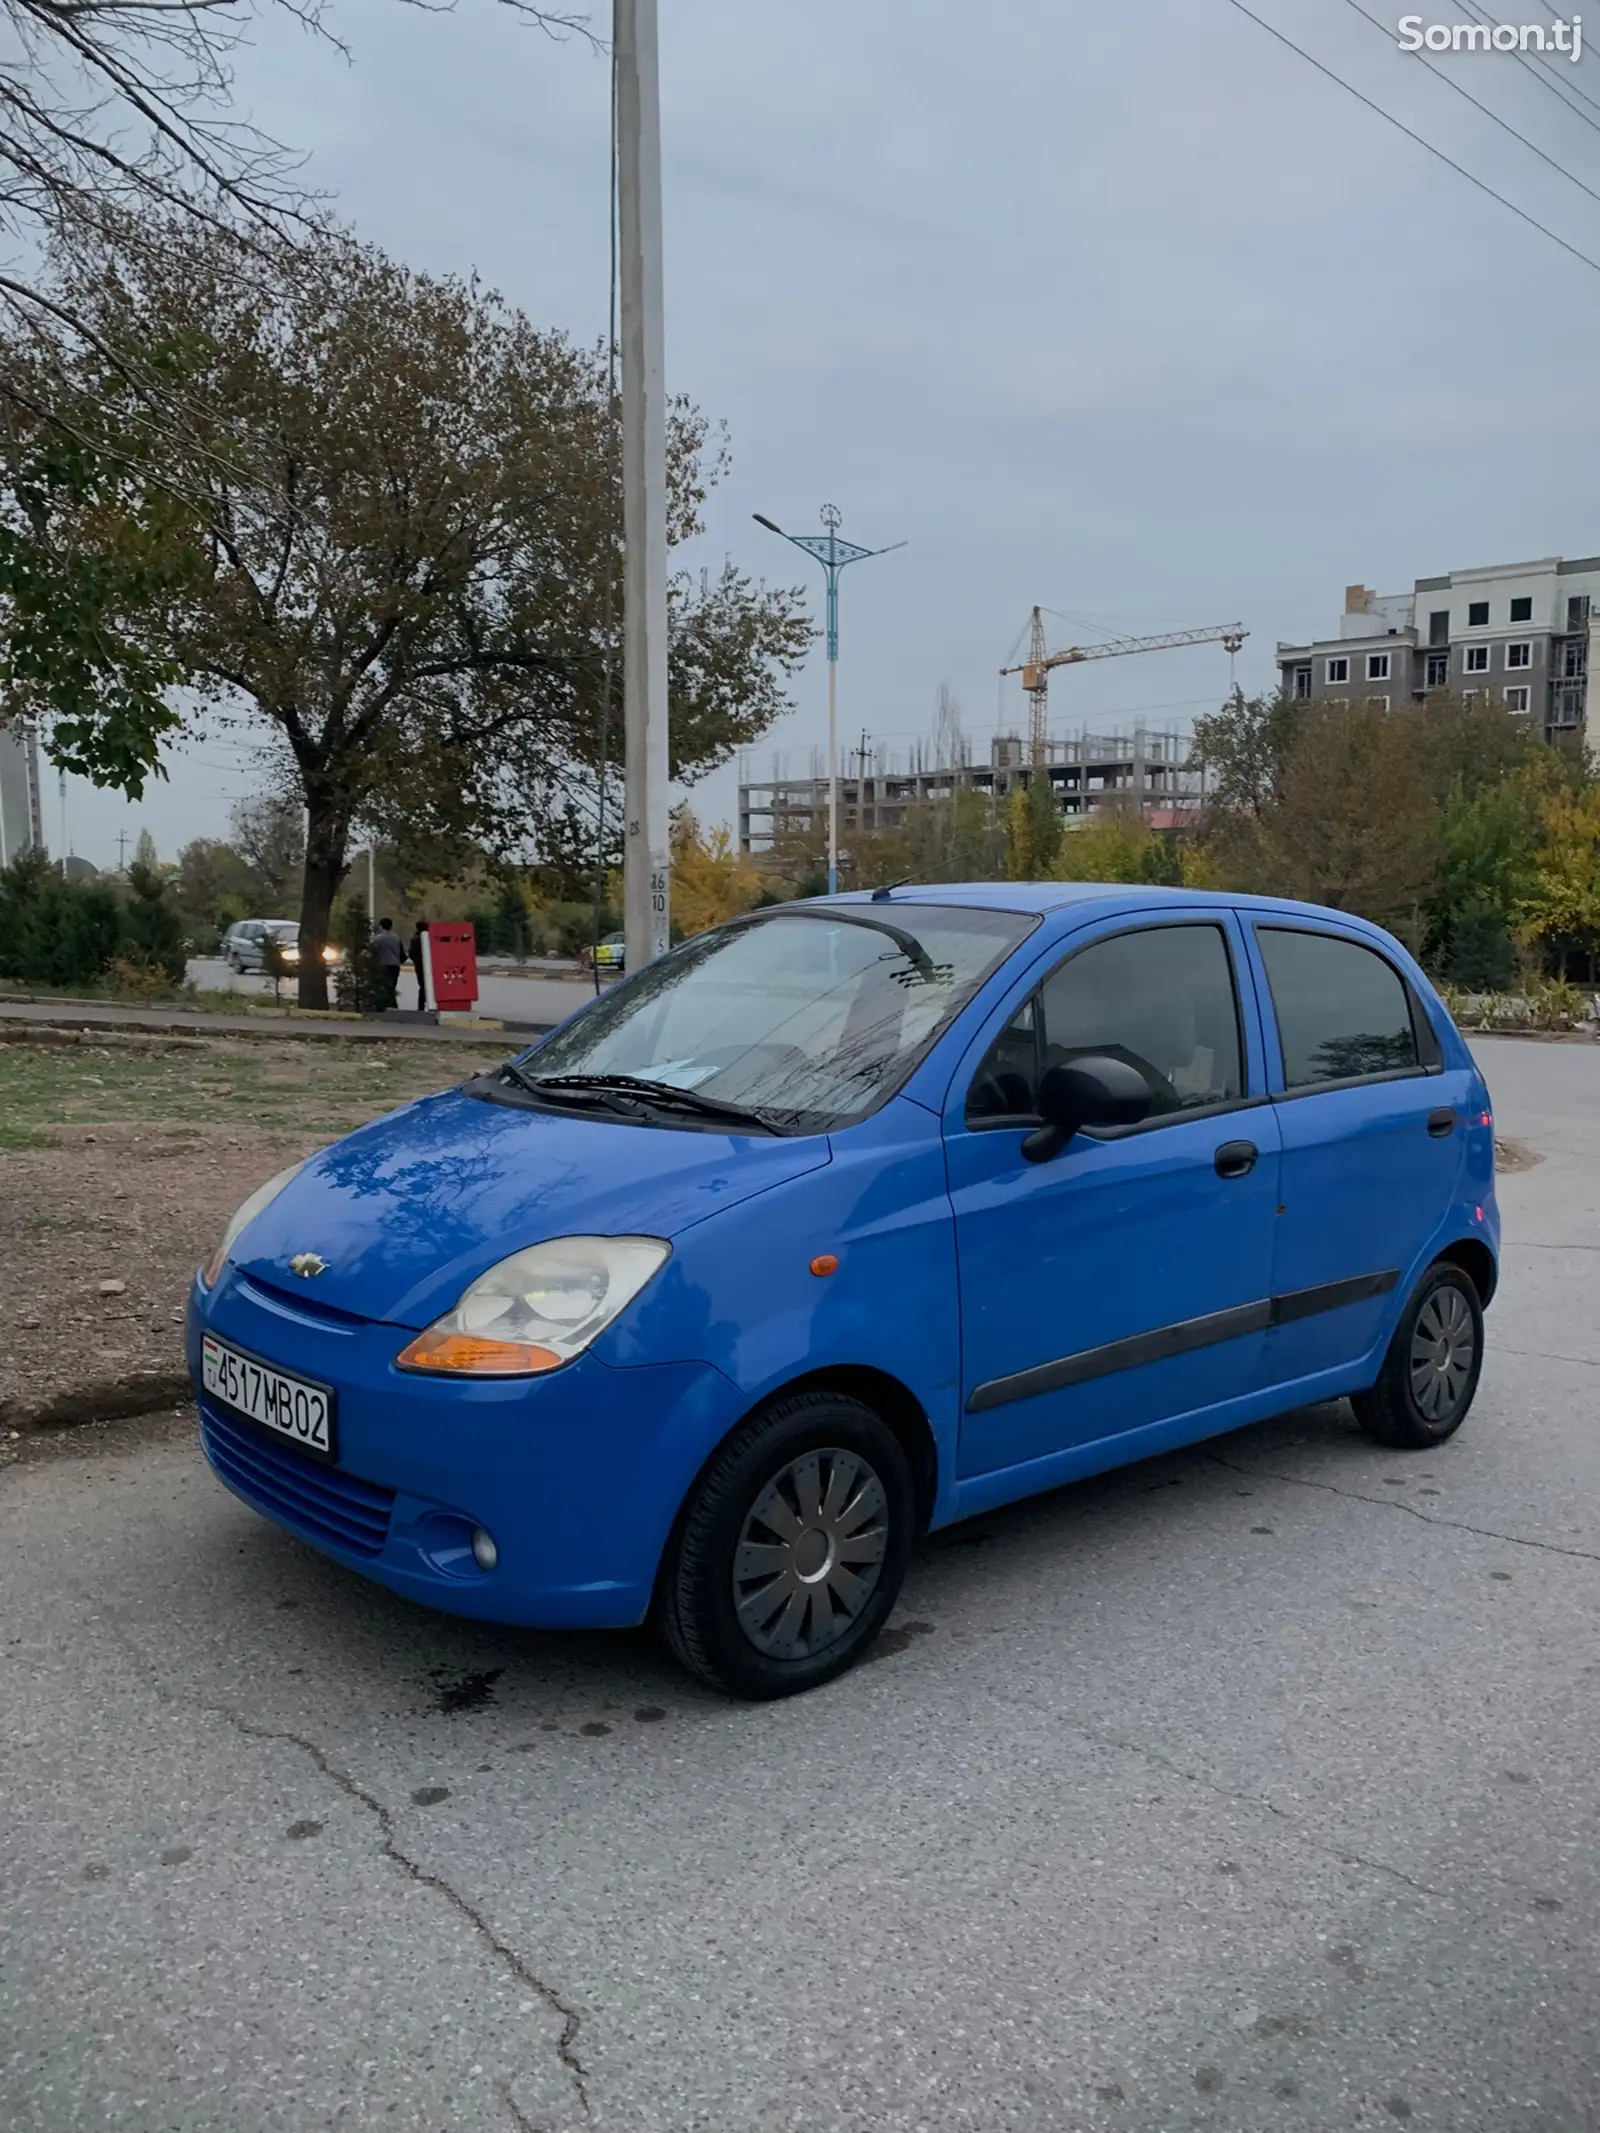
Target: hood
column 407, row 1211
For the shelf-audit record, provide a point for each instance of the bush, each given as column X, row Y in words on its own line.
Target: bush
column 357, row 984
column 570, row 928
column 132, row 978
column 55, row 932
column 152, row 927
column 1481, row 957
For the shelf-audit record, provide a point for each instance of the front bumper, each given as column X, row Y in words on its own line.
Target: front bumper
column 577, row 1476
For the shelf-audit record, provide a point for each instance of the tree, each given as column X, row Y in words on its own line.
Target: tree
column 358, row 983
column 1117, row 844
column 1033, row 830
column 152, row 929
column 215, row 884
column 55, row 931
column 408, row 510
column 120, row 103
column 145, row 853
column 711, row 880
column 1241, row 749
column 88, row 554
column 269, row 836
column 1481, row 956
column 1562, row 908
column 1351, row 820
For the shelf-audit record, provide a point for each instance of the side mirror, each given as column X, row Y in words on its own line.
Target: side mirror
column 1096, row 1090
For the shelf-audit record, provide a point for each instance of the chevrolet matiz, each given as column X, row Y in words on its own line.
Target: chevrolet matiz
column 843, row 1222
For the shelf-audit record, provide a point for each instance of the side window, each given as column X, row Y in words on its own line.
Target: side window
column 1006, row 1086
column 1342, row 1009
column 1163, row 999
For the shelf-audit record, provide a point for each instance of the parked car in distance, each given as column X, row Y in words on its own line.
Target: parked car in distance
column 610, row 953
column 845, row 1221
column 243, row 945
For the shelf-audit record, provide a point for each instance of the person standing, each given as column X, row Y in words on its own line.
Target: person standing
column 388, row 952
column 417, row 952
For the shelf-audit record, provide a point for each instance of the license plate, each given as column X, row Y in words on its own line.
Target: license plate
column 287, row 1406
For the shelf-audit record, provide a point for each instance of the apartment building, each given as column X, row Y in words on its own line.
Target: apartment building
column 1526, row 633
column 21, row 823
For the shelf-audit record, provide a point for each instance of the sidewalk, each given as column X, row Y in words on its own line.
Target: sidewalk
column 159, row 1021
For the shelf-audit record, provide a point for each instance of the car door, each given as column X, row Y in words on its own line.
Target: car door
column 1373, row 1129
column 1125, row 1280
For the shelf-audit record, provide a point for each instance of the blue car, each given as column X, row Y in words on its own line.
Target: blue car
column 843, row 1222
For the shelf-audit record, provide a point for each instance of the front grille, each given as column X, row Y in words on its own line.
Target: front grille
column 322, row 1502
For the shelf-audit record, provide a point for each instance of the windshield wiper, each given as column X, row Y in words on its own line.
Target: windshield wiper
column 663, row 1095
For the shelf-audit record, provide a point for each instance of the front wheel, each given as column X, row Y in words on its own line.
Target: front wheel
column 1430, row 1373
column 791, row 1552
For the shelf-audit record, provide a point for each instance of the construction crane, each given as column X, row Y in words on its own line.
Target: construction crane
column 1036, row 671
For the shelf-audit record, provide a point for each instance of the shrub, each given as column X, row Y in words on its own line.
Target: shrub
column 1481, row 956
column 152, row 927
column 55, row 932
column 357, row 986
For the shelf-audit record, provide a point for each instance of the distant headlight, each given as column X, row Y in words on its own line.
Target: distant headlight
column 330, row 954
column 539, row 1308
column 262, row 1197
column 290, row 955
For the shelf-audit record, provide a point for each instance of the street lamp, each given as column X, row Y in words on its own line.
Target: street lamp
column 834, row 555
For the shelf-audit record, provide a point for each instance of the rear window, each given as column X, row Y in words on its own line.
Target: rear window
column 1343, row 1011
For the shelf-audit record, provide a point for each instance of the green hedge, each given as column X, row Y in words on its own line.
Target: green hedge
column 55, row 932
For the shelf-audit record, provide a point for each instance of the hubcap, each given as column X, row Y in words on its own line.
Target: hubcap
column 1442, row 1345
column 810, row 1554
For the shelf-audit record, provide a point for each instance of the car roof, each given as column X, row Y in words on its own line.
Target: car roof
column 1044, row 897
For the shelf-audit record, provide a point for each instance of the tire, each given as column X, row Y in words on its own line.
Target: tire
column 791, row 1551
column 1430, row 1373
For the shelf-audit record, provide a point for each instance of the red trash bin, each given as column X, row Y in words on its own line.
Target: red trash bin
column 451, row 955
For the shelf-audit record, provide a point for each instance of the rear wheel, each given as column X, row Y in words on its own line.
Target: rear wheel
column 792, row 1551
column 1430, row 1373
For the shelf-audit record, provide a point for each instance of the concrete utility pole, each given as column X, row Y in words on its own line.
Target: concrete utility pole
column 647, row 857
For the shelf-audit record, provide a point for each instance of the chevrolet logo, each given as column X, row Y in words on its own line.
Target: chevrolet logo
column 307, row 1265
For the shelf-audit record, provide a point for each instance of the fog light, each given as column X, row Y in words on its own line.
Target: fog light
column 484, row 1552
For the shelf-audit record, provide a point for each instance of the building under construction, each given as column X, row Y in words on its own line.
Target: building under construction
column 1145, row 769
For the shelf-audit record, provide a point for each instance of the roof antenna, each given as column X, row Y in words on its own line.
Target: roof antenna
column 882, row 896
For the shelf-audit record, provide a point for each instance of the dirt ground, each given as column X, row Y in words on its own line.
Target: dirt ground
column 121, row 1161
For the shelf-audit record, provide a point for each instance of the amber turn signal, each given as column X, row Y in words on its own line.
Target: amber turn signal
column 465, row 1355
column 824, row 1263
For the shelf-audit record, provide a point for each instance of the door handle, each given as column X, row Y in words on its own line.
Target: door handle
column 1236, row 1159
column 1442, row 1123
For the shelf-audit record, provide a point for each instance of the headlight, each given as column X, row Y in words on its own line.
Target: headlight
column 263, row 1196
column 290, row 955
column 539, row 1308
column 330, row 955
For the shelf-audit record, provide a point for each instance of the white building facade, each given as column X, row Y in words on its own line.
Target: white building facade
column 1525, row 634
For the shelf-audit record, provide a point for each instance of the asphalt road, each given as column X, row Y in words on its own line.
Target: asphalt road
column 1253, row 1788
column 543, row 1000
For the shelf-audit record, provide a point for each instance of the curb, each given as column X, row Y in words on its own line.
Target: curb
column 111, row 1400
column 68, row 1028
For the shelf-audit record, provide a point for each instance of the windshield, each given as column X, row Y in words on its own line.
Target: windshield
column 808, row 1017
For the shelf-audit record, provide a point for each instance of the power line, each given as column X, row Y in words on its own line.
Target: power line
column 1450, row 83
column 1557, row 84
column 1459, row 168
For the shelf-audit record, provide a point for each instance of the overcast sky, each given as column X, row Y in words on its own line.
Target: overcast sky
column 1118, row 307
